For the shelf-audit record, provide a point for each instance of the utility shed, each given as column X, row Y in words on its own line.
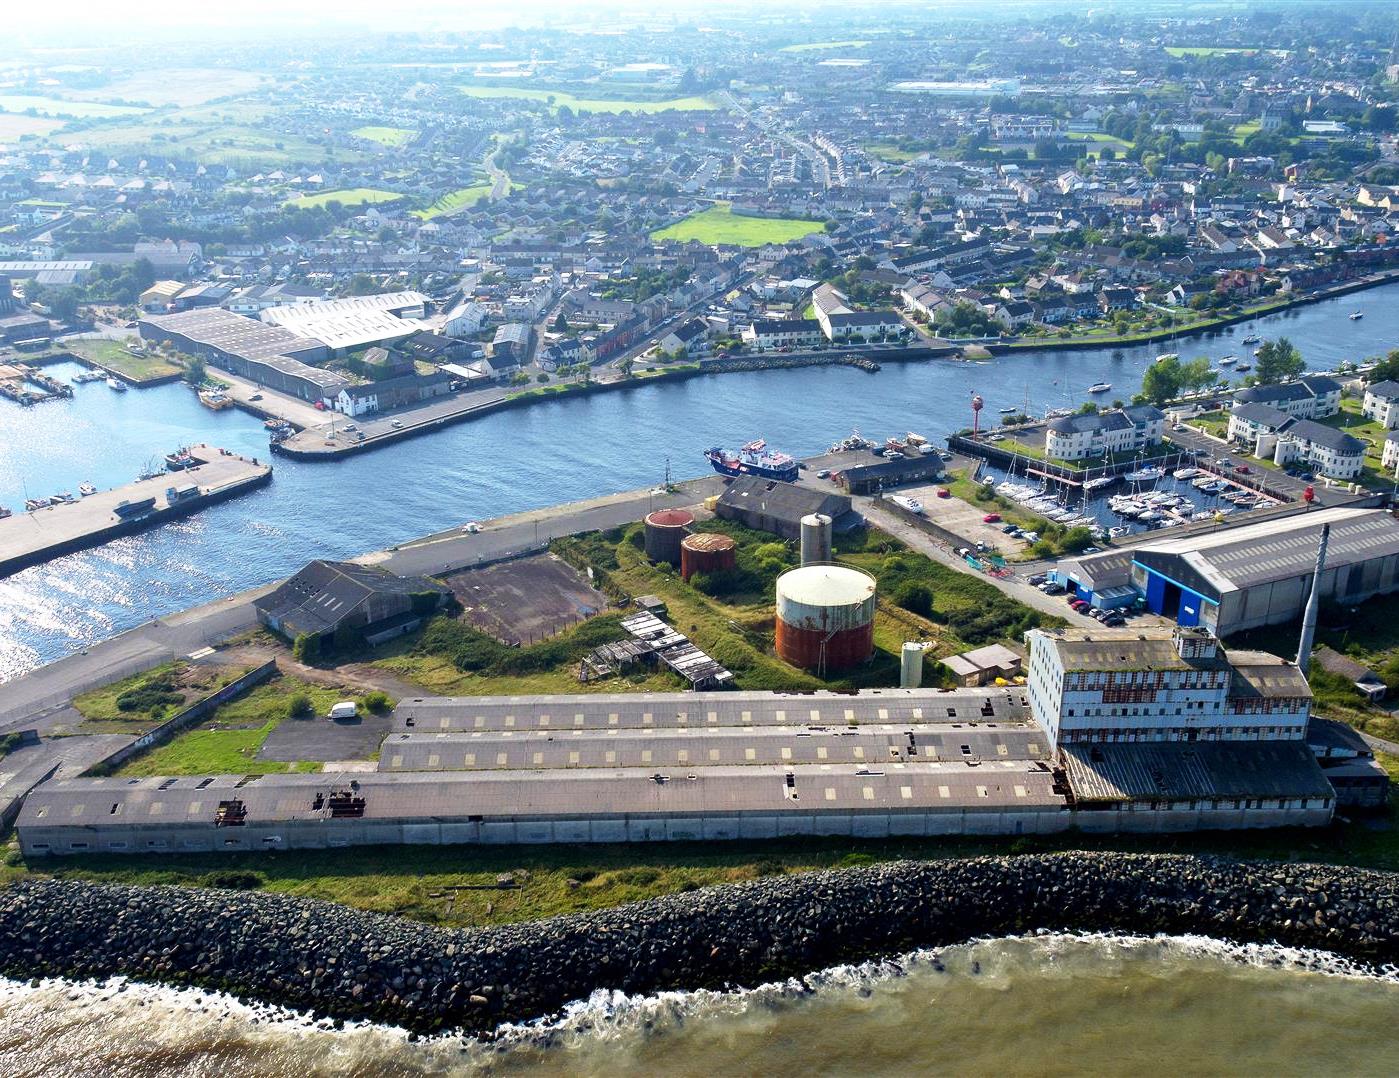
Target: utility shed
column 770, row 505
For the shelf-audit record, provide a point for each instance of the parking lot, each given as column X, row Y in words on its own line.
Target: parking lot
column 526, row 599
column 962, row 518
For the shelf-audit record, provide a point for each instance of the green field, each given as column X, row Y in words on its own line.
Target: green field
column 71, row 110
column 210, row 143
column 1179, row 51
column 455, row 201
column 227, row 742
column 560, row 98
column 887, row 151
column 819, row 46
column 349, row 196
column 392, row 137
column 113, row 354
column 719, row 224
column 1097, row 136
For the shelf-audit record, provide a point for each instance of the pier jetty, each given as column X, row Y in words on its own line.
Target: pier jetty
column 212, row 475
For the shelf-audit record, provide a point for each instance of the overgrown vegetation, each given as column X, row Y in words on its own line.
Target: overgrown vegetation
column 474, row 651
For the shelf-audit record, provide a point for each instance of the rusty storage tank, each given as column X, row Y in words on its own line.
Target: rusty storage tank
column 665, row 530
column 825, row 617
column 707, row 552
column 816, row 539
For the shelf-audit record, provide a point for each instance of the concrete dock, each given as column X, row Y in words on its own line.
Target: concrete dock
column 31, row 538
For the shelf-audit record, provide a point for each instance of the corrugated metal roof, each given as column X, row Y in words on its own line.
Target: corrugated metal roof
column 1176, row 771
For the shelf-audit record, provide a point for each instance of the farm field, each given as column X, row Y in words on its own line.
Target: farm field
column 592, row 104
column 350, row 196
column 214, row 143
column 181, row 86
column 719, row 224
column 72, row 110
column 392, row 137
column 14, row 126
column 819, row 46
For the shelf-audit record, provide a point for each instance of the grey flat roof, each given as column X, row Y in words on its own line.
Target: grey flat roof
column 119, row 803
column 710, row 709
column 869, row 745
column 1184, row 771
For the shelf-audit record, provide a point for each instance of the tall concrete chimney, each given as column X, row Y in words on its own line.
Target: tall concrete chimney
column 1304, row 646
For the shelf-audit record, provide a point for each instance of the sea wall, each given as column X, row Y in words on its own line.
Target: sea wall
column 319, row 957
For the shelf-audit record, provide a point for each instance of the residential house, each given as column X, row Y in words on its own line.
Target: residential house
column 1096, row 434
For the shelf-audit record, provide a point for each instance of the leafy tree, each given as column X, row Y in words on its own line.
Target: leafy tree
column 916, row 597
column 560, row 323
column 1278, row 360
column 305, row 648
column 195, row 371
column 1386, row 369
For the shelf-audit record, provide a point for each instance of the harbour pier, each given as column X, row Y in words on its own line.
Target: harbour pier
column 34, row 537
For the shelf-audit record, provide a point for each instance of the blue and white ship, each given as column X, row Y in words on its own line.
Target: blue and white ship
column 755, row 458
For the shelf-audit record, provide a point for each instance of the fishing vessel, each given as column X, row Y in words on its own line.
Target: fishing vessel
column 755, row 458
column 117, row 384
column 1100, row 387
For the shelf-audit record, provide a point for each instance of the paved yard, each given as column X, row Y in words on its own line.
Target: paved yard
column 525, row 600
column 325, row 739
column 963, row 518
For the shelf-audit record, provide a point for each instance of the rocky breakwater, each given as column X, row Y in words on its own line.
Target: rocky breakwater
column 327, row 959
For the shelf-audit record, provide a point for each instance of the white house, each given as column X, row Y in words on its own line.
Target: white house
column 1390, row 456
column 1312, row 397
column 1076, row 437
column 1382, row 404
column 766, row 334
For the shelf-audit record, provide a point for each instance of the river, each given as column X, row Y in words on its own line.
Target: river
column 508, row 462
column 1048, row 1005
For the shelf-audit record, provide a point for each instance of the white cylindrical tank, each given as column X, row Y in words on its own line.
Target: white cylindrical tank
column 815, row 539
column 911, row 666
column 825, row 617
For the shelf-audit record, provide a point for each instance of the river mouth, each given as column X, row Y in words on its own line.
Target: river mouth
column 1049, row 1004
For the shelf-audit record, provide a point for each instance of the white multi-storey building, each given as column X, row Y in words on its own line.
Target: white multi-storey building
column 1075, row 437
column 1177, row 686
column 1382, row 404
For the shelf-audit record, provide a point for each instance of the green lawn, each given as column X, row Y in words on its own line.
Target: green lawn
column 349, row 196
column 1372, row 434
column 113, row 354
column 560, row 98
column 210, row 141
column 719, row 224
column 1216, row 423
column 392, row 137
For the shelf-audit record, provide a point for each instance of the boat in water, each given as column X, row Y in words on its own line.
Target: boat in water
column 1148, row 474
column 1100, row 482
column 86, row 488
column 1165, row 356
column 117, row 384
column 1100, row 387
column 1185, row 473
column 5, row 512
column 215, row 399
column 1228, row 361
column 1244, row 367
column 1356, row 316
column 755, row 458
column 1253, row 338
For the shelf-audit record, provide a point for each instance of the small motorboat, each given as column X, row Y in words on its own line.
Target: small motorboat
column 1228, row 361
column 1253, row 338
column 1100, row 387
column 1165, row 356
column 117, row 384
column 1356, row 316
column 86, row 488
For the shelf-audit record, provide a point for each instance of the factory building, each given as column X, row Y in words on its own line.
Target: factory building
column 1168, row 731
column 1248, row 576
column 345, row 325
column 267, row 355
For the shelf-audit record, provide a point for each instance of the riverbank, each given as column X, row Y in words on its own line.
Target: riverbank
column 330, row 960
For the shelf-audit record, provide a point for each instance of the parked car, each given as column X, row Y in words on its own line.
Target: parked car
column 991, row 518
column 1039, row 578
column 255, row 397
column 943, row 492
column 1075, row 602
column 1114, row 620
column 1054, row 589
column 823, row 474
column 396, row 424
column 1243, row 469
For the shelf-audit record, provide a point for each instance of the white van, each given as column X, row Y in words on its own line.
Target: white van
column 346, row 709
